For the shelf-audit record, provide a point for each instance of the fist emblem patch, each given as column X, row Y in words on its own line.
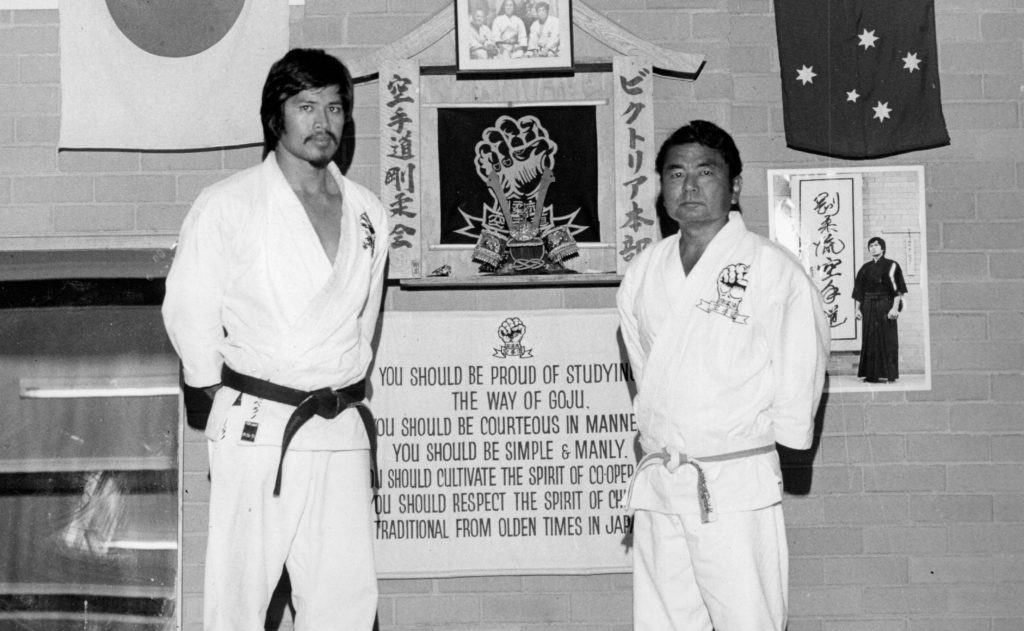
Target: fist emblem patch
column 732, row 287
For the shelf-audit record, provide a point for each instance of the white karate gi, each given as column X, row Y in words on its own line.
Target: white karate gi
column 718, row 370
column 479, row 41
column 544, row 37
column 249, row 262
column 510, row 32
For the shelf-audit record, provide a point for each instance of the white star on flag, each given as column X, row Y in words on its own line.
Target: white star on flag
column 806, row 75
column 867, row 39
column 852, row 96
column 911, row 62
column 881, row 111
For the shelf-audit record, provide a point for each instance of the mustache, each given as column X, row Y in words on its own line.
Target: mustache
column 329, row 134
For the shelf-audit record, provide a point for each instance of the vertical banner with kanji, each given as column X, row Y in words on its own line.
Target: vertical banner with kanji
column 818, row 217
column 399, row 163
column 829, row 211
column 635, row 180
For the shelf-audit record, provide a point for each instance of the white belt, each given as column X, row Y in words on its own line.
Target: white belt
column 673, row 460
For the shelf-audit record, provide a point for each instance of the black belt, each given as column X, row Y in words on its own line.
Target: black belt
column 323, row 402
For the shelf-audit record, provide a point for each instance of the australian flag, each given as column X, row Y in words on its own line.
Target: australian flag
column 860, row 78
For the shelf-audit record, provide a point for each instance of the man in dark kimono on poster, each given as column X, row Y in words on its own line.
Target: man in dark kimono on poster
column 878, row 294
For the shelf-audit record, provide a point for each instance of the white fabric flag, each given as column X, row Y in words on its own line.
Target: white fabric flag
column 117, row 94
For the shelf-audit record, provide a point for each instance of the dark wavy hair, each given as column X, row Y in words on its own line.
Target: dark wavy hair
column 703, row 133
column 300, row 69
column 880, row 241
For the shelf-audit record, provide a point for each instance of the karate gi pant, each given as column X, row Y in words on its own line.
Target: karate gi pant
column 728, row 575
column 320, row 528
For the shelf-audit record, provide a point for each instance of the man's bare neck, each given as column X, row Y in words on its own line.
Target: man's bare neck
column 695, row 238
column 306, row 178
column 320, row 196
column 700, row 234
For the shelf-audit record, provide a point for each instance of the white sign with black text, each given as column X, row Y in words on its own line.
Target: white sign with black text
column 506, row 443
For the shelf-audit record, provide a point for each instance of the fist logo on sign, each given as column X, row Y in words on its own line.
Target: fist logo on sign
column 511, row 332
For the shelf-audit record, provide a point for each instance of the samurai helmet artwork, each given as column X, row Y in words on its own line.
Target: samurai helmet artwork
column 516, row 159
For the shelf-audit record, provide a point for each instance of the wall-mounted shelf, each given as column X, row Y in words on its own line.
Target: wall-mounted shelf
column 58, row 387
column 520, row 280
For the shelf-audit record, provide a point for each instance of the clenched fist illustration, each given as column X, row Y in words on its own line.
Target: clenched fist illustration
column 511, row 331
column 513, row 156
column 732, row 284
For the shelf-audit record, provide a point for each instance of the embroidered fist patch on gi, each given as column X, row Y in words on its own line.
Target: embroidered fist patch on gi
column 369, row 234
column 732, row 287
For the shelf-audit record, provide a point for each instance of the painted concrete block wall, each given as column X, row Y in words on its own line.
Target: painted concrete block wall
column 907, row 515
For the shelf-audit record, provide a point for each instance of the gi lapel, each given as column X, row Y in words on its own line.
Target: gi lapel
column 684, row 298
column 296, row 266
column 339, row 298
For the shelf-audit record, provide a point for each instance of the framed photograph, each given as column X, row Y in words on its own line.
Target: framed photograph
column 860, row 233
column 513, row 35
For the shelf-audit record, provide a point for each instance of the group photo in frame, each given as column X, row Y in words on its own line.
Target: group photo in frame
column 859, row 232
column 494, row 36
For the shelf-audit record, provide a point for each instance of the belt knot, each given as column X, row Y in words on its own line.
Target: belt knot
column 328, row 402
column 324, row 402
column 672, row 460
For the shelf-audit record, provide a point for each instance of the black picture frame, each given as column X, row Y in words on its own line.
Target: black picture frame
column 523, row 45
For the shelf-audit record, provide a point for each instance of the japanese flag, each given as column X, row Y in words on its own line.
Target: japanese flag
column 186, row 74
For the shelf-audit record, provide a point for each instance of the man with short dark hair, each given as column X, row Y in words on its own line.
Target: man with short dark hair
column 879, row 295
column 272, row 301
column 544, row 33
column 728, row 342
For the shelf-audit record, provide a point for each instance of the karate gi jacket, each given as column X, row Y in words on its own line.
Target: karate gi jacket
column 721, row 367
column 544, row 36
column 479, row 38
column 509, row 27
column 251, row 285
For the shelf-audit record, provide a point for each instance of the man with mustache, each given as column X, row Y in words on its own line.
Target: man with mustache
column 271, row 304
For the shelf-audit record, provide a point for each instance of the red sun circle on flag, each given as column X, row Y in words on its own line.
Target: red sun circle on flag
column 181, row 28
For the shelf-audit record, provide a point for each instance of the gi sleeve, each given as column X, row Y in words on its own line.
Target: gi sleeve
column 800, row 351
column 898, row 284
column 534, row 36
column 858, row 285
column 371, row 310
column 195, row 291
column 625, row 300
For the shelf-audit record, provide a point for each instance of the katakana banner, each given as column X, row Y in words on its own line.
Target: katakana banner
column 166, row 75
column 860, row 78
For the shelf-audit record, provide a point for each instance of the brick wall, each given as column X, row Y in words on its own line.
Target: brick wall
column 909, row 513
